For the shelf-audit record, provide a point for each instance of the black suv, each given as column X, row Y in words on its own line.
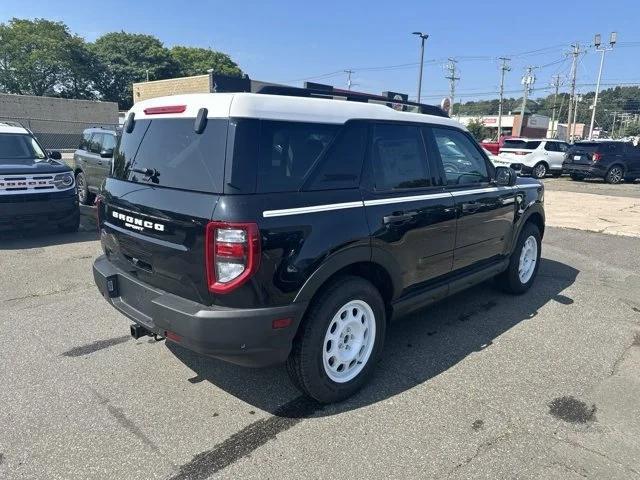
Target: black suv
column 609, row 159
column 92, row 161
column 37, row 190
column 262, row 228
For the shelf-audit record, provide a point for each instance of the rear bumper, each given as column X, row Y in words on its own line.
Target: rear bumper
column 586, row 170
column 31, row 212
column 241, row 336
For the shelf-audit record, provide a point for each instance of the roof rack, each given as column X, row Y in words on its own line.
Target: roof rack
column 395, row 100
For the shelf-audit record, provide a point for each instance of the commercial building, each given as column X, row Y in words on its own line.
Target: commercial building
column 535, row 126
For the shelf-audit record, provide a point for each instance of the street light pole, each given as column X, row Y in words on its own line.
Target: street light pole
column 423, row 37
column 612, row 41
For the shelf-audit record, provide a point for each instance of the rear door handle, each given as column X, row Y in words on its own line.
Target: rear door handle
column 401, row 217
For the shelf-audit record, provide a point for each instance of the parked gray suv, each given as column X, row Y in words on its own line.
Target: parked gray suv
column 92, row 161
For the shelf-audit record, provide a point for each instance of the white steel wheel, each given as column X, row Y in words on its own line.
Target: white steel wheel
column 349, row 341
column 528, row 259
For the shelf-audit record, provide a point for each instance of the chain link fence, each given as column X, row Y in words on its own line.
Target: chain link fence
column 62, row 135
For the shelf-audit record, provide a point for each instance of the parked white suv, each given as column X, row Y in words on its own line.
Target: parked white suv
column 538, row 157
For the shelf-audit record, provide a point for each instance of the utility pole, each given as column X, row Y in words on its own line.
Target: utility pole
column 423, row 37
column 574, row 73
column 556, row 85
column 612, row 41
column 528, row 79
column 451, row 67
column 349, row 72
column 613, row 124
column 575, row 113
column 504, row 68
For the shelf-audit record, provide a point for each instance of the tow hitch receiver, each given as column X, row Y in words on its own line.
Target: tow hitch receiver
column 138, row 331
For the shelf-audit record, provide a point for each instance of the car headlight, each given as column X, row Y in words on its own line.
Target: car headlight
column 63, row 180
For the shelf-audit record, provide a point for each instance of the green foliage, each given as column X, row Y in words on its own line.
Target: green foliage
column 197, row 61
column 126, row 58
column 41, row 57
column 617, row 99
column 478, row 130
column 631, row 130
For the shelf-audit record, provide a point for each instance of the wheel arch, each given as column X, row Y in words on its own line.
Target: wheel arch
column 357, row 262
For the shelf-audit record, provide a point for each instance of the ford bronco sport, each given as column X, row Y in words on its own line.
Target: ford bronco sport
column 289, row 225
column 36, row 189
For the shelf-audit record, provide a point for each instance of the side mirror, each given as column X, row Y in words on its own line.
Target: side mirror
column 54, row 155
column 108, row 153
column 506, row 177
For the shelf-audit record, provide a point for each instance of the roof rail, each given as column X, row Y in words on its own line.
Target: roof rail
column 397, row 101
column 392, row 99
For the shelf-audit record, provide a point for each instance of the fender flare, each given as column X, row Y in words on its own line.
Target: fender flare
column 344, row 259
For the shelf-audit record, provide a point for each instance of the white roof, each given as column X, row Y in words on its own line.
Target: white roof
column 6, row 128
column 280, row 107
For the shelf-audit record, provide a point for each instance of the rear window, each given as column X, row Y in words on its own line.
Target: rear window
column 169, row 153
column 287, row 152
column 586, row 146
column 521, row 144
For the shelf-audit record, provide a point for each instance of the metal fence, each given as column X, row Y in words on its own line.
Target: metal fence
column 56, row 134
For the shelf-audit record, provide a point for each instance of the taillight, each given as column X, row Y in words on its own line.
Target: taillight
column 232, row 254
column 596, row 157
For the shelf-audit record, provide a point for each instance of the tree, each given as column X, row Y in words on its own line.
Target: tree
column 477, row 129
column 41, row 57
column 125, row 58
column 197, row 61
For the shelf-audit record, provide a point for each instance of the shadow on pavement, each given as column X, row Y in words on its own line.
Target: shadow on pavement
column 19, row 239
column 417, row 348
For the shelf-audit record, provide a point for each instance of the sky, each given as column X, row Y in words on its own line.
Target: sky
column 292, row 41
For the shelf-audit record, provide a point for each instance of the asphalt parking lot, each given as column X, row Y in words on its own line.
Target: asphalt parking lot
column 483, row 385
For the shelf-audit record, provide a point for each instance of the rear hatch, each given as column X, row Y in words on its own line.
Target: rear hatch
column 516, row 150
column 582, row 153
column 164, row 187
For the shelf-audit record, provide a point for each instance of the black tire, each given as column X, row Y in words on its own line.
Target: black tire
column 577, row 177
column 85, row 197
column 539, row 170
column 306, row 363
column 509, row 280
column 615, row 174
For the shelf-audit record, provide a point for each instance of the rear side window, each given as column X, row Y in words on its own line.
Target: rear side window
column 84, row 141
column 174, row 154
column 521, row 144
column 398, row 157
column 342, row 165
column 288, row 150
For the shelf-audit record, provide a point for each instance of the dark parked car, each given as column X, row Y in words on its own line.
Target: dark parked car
column 612, row 160
column 92, row 161
column 36, row 189
column 268, row 228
